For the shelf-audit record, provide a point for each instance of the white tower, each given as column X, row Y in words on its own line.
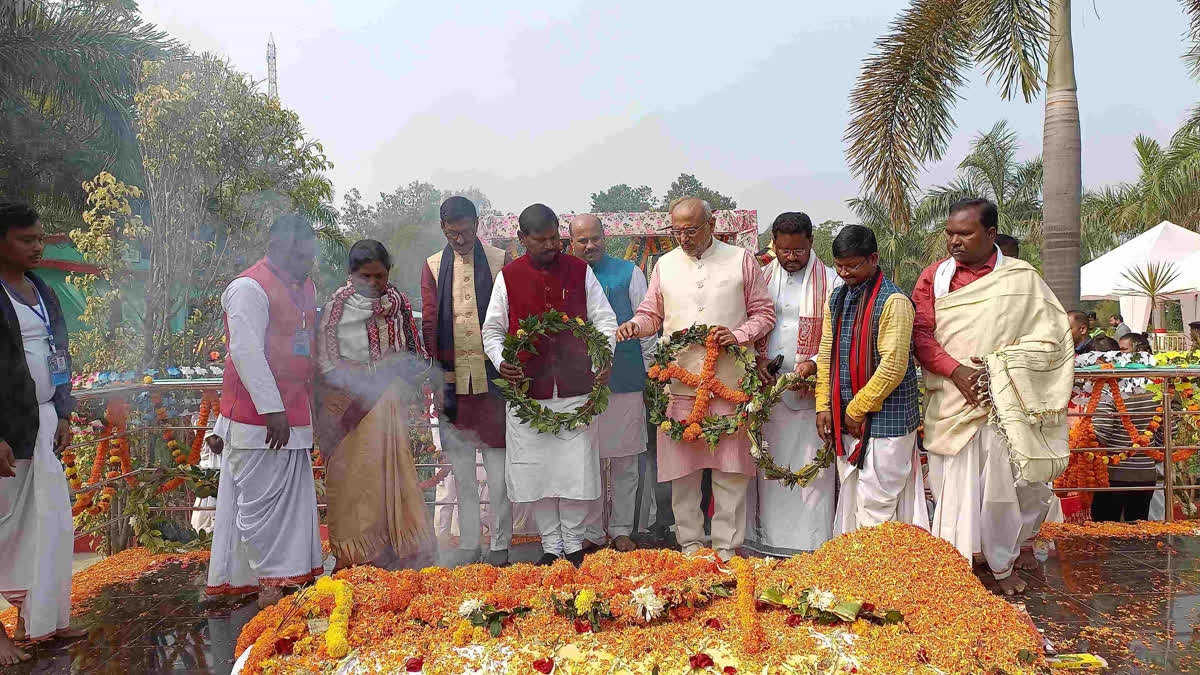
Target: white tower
column 272, row 82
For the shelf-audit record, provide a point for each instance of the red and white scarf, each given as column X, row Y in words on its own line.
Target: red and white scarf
column 387, row 326
column 812, row 309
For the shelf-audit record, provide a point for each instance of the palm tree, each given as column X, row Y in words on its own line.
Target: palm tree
column 1167, row 188
column 1152, row 280
column 68, row 73
column 992, row 171
column 903, row 253
column 901, row 105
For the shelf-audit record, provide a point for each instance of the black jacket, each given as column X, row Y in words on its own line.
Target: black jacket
column 18, row 395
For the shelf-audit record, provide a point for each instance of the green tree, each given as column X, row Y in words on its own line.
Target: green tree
column 407, row 221
column 1167, row 188
column 901, row 105
column 68, row 74
column 903, row 252
column 623, row 199
column 823, row 234
column 221, row 160
column 688, row 185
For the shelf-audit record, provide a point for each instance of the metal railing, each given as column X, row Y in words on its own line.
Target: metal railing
column 1169, row 378
column 126, row 390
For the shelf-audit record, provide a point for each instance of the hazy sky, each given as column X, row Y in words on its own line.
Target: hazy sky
column 551, row 100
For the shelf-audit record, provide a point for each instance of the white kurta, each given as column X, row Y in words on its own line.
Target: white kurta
column 979, row 507
column 36, row 535
column 540, row 466
column 889, row 487
column 781, row 520
column 266, row 531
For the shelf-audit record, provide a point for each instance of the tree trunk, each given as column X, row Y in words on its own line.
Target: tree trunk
column 1062, row 181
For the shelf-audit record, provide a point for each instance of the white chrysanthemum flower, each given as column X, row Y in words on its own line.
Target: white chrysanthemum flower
column 649, row 604
column 469, row 607
column 754, row 406
column 823, row 600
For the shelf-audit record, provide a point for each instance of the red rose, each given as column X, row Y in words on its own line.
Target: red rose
column 582, row 626
column 729, row 670
column 544, row 666
column 795, row 620
column 713, row 623
column 524, row 356
column 700, row 660
column 922, row 655
column 867, row 607
column 414, row 665
column 284, row 646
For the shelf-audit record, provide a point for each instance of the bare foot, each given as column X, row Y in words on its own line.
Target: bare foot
column 19, row 630
column 70, row 633
column 1012, row 584
column 1026, row 561
column 9, row 653
column 269, row 595
column 624, row 544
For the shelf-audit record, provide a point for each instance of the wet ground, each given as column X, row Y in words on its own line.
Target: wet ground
column 1134, row 602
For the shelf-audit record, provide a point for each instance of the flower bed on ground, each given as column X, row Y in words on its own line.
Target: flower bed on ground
column 889, row 599
column 121, row 568
column 1141, row 529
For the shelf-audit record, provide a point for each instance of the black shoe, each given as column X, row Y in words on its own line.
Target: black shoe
column 547, row 559
column 575, row 558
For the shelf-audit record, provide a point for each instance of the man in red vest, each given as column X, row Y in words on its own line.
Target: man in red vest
column 558, row 473
column 266, row 532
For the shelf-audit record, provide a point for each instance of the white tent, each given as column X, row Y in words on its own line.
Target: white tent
column 1104, row 277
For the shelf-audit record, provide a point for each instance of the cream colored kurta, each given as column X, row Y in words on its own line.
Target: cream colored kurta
column 708, row 290
column 470, row 375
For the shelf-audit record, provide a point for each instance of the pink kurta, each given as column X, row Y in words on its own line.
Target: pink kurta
column 677, row 459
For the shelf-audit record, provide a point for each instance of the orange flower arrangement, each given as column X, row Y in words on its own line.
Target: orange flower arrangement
column 207, row 399
column 706, row 384
column 747, row 614
column 85, row 501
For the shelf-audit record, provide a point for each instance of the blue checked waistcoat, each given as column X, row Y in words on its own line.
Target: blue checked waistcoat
column 901, row 412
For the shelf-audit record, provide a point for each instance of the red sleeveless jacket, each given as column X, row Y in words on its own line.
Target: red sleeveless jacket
column 293, row 373
column 562, row 358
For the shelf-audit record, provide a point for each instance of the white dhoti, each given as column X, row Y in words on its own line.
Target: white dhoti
column 621, row 431
column 560, row 472
column 36, row 536
column 782, row 521
column 206, row 519
column 266, row 531
column 980, row 509
column 888, row 487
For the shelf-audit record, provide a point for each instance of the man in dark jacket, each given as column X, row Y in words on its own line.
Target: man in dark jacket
column 36, row 538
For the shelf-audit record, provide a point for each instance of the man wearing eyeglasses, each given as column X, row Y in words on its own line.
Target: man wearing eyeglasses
column 785, row 521
column 705, row 281
column 456, row 286
column 867, row 396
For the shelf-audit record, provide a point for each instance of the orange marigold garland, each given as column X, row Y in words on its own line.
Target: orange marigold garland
column 85, row 501
column 207, row 400
column 753, row 637
column 699, row 424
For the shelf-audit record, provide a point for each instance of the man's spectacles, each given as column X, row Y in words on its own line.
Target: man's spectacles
column 792, row 252
column 689, row 232
column 849, row 269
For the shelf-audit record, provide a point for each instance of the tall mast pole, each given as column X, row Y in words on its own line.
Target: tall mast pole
column 272, row 81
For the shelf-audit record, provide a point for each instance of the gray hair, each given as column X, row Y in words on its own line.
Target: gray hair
column 705, row 208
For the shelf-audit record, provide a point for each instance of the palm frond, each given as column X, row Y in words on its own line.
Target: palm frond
column 1151, row 280
column 900, row 105
column 1192, row 57
column 1011, row 38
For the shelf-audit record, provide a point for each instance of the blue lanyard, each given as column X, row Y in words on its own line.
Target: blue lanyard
column 40, row 311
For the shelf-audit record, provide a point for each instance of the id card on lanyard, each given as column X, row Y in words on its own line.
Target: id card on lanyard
column 302, row 340
column 57, row 360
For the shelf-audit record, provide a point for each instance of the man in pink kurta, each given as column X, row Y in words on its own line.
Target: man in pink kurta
column 705, row 281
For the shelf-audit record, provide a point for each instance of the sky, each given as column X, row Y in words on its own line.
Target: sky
column 552, row 100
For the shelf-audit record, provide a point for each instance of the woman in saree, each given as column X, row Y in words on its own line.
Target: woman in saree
column 370, row 359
